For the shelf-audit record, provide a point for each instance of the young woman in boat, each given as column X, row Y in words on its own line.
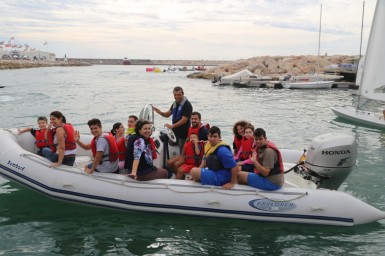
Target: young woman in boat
column 244, row 154
column 140, row 154
column 118, row 132
column 238, row 130
column 104, row 149
column 62, row 136
column 267, row 162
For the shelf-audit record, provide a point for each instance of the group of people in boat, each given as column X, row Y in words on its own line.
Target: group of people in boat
column 254, row 160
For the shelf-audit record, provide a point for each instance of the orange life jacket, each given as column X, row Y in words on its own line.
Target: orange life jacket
column 189, row 153
column 247, row 147
column 113, row 148
column 70, row 142
column 41, row 142
column 122, row 149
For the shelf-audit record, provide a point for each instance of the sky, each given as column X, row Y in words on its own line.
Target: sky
column 181, row 29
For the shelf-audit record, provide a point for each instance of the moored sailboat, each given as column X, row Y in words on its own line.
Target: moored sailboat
column 372, row 77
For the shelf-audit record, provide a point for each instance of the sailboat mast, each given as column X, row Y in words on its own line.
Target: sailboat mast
column 358, row 66
column 319, row 37
column 362, row 26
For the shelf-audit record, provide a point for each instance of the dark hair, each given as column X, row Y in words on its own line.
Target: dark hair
column 139, row 124
column 94, row 121
column 249, row 126
column 195, row 113
column 241, row 123
column 59, row 115
column 133, row 116
column 215, row 129
column 259, row 132
column 42, row 118
column 115, row 127
column 178, row 89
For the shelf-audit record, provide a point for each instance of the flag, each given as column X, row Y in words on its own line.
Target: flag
column 45, row 43
column 303, row 157
column 12, row 38
column 8, row 45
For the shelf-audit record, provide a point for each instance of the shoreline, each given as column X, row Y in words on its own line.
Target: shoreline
column 21, row 64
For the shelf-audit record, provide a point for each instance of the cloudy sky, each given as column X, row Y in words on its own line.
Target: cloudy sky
column 181, row 29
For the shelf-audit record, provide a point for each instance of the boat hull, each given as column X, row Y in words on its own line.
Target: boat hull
column 118, row 191
column 366, row 118
column 308, row 85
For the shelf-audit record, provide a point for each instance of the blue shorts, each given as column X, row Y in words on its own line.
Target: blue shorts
column 257, row 181
column 216, row 178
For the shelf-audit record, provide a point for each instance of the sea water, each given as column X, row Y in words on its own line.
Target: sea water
column 31, row 223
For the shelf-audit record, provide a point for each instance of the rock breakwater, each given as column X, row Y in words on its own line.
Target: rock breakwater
column 276, row 66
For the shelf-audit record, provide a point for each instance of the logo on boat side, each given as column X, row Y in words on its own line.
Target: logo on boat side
column 335, row 152
column 21, row 168
column 271, row 206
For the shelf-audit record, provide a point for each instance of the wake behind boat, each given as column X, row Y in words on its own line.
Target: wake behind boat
column 308, row 195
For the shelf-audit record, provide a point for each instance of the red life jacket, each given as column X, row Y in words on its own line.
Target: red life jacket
column 51, row 135
column 153, row 148
column 280, row 162
column 189, row 153
column 122, row 149
column 194, row 130
column 113, row 148
column 247, row 147
column 70, row 142
column 40, row 142
column 237, row 143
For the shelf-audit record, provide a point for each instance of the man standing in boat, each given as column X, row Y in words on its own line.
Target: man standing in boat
column 181, row 111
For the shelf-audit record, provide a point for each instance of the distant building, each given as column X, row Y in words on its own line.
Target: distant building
column 27, row 55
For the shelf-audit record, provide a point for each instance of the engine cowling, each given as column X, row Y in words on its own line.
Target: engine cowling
column 331, row 156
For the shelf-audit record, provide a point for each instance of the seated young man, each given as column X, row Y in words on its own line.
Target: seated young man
column 218, row 165
column 104, row 149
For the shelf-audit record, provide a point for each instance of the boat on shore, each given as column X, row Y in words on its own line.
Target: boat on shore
column 308, row 196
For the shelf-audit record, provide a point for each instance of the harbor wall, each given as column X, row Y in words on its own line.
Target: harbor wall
column 149, row 62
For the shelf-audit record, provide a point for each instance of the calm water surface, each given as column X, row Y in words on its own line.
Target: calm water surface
column 33, row 224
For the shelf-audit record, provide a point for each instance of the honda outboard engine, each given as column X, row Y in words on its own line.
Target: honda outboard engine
column 331, row 158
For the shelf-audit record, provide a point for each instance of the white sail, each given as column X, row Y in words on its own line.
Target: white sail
column 372, row 85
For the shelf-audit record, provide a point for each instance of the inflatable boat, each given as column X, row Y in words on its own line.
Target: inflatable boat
column 309, row 195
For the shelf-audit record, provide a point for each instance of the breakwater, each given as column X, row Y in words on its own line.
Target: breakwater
column 150, row 62
column 18, row 64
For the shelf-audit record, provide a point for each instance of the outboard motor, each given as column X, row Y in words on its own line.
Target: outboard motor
column 331, row 158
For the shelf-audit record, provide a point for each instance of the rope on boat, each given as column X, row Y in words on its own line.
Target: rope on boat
column 211, row 189
column 125, row 183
